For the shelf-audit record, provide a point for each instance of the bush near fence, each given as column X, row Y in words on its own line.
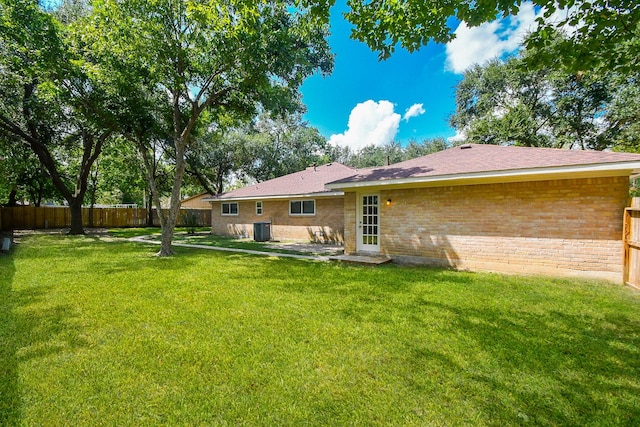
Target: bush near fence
column 44, row 217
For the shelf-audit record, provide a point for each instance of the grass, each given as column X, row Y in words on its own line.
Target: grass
column 104, row 333
column 127, row 233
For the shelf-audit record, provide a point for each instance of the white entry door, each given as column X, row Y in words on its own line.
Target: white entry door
column 368, row 223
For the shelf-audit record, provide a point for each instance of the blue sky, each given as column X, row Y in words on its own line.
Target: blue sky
column 404, row 80
column 364, row 101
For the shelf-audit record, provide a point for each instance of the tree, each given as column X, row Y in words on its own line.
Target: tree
column 382, row 155
column 378, row 155
column 428, row 146
column 22, row 176
column 263, row 149
column 117, row 175
column 222, row 57
column 506, row 103
column 580, row 106
column 624, row 113
column 215, row 156
column 499, row 103
column 606, row 33
column 279, row 146
column 47, row 101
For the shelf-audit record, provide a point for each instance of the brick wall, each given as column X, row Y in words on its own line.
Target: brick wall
column 327, row 224
column 562, row 227
column 350, row 219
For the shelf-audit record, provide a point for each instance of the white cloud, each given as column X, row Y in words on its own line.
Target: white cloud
column 460, row 136
column 414, row 111
column 477, row 45
column 370, row 122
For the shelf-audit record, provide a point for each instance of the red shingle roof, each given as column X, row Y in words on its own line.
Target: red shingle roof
column 477, row 158
column 310, row 181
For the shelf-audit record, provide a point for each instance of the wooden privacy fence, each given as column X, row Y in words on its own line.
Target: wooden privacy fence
column 631, row 245
column 32, row 218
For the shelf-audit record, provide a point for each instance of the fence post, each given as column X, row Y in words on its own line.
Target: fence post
column 626, row 248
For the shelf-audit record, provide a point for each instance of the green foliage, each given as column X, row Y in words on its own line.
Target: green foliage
column 22, row 176
column 508, row 103
column 102, row 332
column 634, row 187
column 263, row 149
column 118, row 175
column 278, row 146
column 375, row 155
column 190, row 221
column 49, row 104
column 204, row 63
column 624, row 113
column 605, row 36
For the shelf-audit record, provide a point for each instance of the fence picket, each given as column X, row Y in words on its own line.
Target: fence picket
column 631, row 245
column 36, row 218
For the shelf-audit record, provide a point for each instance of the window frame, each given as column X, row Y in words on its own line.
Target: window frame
column 302, row 213
column 230, row 210
column 259, row 208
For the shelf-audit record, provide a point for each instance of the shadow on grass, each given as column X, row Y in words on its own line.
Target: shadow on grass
column 547, row 368
column 9, row 387
column 515, row 350
column 30, row 328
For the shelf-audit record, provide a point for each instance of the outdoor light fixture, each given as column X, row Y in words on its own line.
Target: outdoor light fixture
column 388, row 202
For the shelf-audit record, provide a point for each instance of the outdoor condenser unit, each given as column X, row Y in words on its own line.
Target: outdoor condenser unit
column 261, row 231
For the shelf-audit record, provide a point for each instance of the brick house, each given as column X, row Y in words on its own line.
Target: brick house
column 297, row 206
column 487, row 207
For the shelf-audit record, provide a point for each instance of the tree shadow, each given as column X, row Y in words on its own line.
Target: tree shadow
column 511, row 355
column 30, row 328
column 323, row 234
column 10, row 407
column 549, row 368
column 433, row 251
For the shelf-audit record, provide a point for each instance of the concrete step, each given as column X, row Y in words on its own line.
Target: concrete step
column 362, row 259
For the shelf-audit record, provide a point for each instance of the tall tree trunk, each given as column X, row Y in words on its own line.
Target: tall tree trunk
column 150, row 211
column 220, row 181
column 13, row 197
column 75, row 206
column 93, row 191
column 169, row 225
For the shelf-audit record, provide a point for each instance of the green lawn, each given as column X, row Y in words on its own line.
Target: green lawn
column 147, row 231
column 98, row 332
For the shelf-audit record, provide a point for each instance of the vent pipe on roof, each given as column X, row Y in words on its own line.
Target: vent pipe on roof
column 465, row 146
column 314, row 166
column 388, row 160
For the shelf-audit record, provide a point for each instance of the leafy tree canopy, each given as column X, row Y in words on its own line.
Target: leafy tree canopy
column 204, row 63
column 380, row 155
column 603, row 33
column 48, row 103
column 509, row 103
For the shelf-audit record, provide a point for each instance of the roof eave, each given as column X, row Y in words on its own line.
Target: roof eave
column 493, row 177
column 277, row 197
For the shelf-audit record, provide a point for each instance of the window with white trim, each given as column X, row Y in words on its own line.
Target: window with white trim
column 258, row 208
column 302, row 207
column 230, row 208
